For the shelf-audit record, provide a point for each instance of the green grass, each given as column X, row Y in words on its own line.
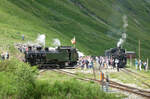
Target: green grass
column 64, row 84
column 71, row 89
column 96, row 25
column 52, row 77
column 143, row 73
column 129, row 79
column 19, row 80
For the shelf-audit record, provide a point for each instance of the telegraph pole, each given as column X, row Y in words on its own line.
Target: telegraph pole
column 139, row 49
column 147, row 65
column 75, row 42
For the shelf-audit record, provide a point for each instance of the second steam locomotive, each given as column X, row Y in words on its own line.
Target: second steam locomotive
column 118, row 55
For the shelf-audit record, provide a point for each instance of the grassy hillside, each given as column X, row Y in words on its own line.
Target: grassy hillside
column 97, row 24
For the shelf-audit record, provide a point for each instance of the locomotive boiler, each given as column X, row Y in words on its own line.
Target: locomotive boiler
column 63, row 56
column 117, row 54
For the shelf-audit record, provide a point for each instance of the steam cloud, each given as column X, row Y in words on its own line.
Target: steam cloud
column 41, row 40
column 124, row 35
column 80, row 54
column 56, row 42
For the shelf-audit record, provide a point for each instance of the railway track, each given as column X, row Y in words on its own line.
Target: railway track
column 112, row 84
column 134, row 74
column 130, row 71
column 130, row 89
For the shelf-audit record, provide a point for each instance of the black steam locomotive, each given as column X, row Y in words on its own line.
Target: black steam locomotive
column 63, row 56
column 117, row 54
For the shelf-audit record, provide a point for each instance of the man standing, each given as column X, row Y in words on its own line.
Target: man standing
column 116, row 64
column 83, row 63
column 136, row 64
column 140, row 65
column 87, row 63
column 145, row 64
column 7, row 55
column 91, row 63
column 23, row 37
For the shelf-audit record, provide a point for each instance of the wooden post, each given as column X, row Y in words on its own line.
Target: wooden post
column 130, row 60
column 147, row 65
column 75, row 45
column 75, row 42
column 94, row 73
column 139, row 49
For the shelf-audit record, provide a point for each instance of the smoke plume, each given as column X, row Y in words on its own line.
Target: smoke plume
column 41, row 39
column 80, row 54
column 124, row 35
column 56, row 42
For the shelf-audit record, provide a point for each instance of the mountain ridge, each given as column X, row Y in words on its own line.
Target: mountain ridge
column 97, row 24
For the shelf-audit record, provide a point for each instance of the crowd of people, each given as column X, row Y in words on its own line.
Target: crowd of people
column 21, row 47
column 139, row 64
column 87, row 62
